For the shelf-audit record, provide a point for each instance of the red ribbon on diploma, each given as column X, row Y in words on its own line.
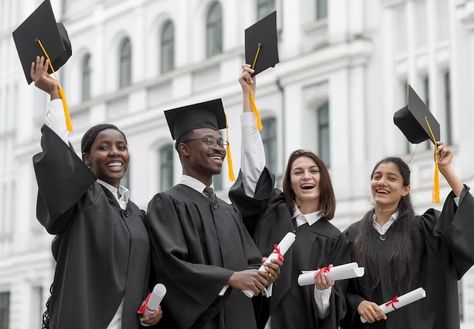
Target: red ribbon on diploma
column 325, row 269
column 392, row 302
column 144, row 306
column 276, row 250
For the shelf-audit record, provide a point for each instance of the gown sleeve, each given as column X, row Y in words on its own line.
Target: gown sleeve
column 455, row 228
column 185, row 300
column 62, row 180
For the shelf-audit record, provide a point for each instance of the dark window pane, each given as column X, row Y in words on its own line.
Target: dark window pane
column 426, row 85
column 321, row 9
column 4, row 310
column 125, row 63
column 269, row 138
column 214, row 30
column 166, row 167
column 323, row 133
column 167, row 47
column 265, row 7
column 218, row 181
column 86, row 78
column 447, row 102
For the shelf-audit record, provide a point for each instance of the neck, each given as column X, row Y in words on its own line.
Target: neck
column 383, row 213
column 307, row 207
column 206, row 179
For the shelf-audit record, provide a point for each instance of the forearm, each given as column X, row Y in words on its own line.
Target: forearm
column 452, row 179
column 56, row 120
column 253, row 153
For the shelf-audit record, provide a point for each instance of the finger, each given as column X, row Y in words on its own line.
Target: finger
column 32, row 70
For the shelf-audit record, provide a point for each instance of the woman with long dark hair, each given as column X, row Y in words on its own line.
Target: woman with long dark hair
column 305, row 206
column 101, row 244
column 402, row 251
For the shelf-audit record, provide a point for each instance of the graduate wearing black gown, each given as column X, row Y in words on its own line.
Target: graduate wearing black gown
column 269, row 214
column 199, row 244
column 432, row 251
column 101, row 247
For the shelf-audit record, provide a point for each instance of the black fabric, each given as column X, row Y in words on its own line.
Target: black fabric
column 268, row 220
column 102, row 252
column 196, row 246
column 443, row 250
column 90, row 135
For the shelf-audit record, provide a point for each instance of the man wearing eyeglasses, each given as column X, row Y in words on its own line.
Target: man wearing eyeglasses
column 201, row 250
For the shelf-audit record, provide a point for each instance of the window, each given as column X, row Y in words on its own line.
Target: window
column 218, row 181
column 426, row 86
column 125, row 63
column 447, row 104
column 37, row 308
column 214, row 30
column 404, row 102
column 166, row 167
column 4, row 310
column 269, row 138
column 323, row 133
column 167, row 48
column 86, row 78
column 265, row 7
column 125, row 181
column 321, row 9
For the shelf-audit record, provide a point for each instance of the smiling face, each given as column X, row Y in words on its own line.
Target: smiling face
column 201, row 155
column 305, row 176
column 387, row 185
column 108, row 156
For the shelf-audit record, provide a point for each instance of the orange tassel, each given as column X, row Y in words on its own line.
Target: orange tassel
column 436, row 197
column 230, row 164
column 254, row 108
column 67, row 115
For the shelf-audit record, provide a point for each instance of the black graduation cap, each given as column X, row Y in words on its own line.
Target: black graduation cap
column 41, row 25
column 412, row 120
column 261, row 44
column 209, row 114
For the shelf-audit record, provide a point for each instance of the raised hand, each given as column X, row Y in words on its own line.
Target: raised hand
column 43, row 81
column 247, row 82
column 445, row 155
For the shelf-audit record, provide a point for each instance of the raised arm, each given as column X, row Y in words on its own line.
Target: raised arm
column 54, row 118
column 253, row 153
column 445, row 157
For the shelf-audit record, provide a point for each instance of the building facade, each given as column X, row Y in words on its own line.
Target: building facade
column 344, row 67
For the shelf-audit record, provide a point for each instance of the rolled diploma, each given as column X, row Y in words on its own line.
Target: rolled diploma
column 403, row 300
column 284, row 245
column 341, row 272
column 159, row 291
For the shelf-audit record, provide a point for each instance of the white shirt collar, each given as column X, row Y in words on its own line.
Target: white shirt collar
column 122, row 190
column 193, row 183
column 382, row 229
column 301, row 219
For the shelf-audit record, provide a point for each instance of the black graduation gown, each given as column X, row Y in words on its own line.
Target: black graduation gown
column 196, row 246
column 443, row 250
column 102, row 253
column 268, row 220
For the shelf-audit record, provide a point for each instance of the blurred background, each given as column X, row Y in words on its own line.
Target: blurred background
column 343, row 72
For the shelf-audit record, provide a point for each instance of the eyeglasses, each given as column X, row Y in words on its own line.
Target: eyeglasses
column 208, row 140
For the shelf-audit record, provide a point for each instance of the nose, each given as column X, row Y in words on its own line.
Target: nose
column 382, row 181
column 306, row 175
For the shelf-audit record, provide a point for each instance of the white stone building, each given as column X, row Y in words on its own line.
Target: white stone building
column 344, row 65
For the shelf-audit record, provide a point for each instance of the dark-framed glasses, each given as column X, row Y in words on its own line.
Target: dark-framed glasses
column 208, row 140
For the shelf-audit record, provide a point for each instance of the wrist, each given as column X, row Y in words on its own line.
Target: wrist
column 54, row 93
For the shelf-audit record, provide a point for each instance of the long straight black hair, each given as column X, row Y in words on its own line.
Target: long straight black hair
column 399, row 259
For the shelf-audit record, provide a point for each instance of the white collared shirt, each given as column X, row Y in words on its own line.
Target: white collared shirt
column 122, row 194
column 382, row 229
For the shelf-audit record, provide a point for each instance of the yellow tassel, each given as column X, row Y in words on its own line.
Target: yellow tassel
column 67, row 115
column 230, row 164
column 436, row 197
column 254, row 108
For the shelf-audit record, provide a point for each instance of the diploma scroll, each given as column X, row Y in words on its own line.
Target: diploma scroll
column 341, row 272
column 399, row 302
column 278, row 252
column 153, row 300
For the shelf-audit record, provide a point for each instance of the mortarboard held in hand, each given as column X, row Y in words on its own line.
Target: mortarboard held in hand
column 261, row 51
column 40, row 35
column 418, row 124
column 209, row 114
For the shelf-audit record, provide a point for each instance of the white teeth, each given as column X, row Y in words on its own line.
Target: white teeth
column 115, row 164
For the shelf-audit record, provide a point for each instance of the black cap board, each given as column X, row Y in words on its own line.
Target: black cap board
column 41, row 25
column 209, row 114
column 411, row 120
column 263, row 35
